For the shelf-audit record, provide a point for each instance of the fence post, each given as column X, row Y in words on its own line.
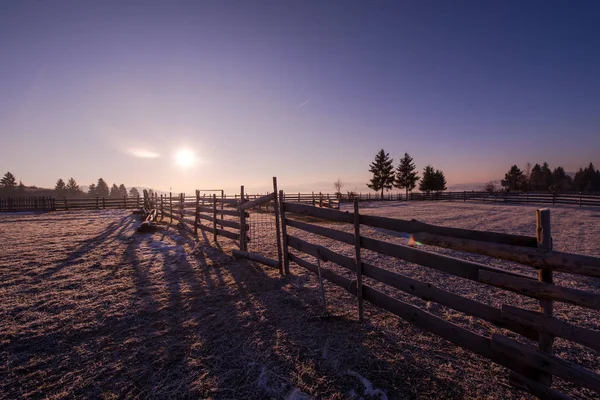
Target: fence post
column 103, row 203
column 286, row 259
column 137, row 201
column 544, row 243
column 171, row 207
column 197, row 213
column 222, row 202
column 359, row 293
column 553, row 198
column 242, row 222
column 162, row 207
column 580, row 193
column 313, row 198
column 277, row 229
column 181, row 207
column 214, row 217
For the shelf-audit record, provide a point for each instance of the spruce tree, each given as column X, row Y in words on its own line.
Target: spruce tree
column 535, row 178
column 21, row 188
column 428, row 181
column 383, row 172
column 133, row 192
column 406, row 175
column 8, row 182
column 513, row 179
column 102, row 188
column 546, row 177
column 72, row 188
column 122, row 190
column 92, row 190
column 439, row 181
column 560, row 180
column 114, row 191
column 60, row 187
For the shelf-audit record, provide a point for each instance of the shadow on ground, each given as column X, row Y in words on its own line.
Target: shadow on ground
column 168, row 315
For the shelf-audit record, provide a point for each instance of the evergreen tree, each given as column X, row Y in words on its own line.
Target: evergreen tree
column 428, row 181
column 406, row 176
column 535, row 178
column 560, row 180
column 102, row 188
column 92, row 190
column 60, row 187
column 122, row 190
column 383, row 172
column 439, row 181
column 21, row 188
column 72, row 188
column 133, row 192
column 587, row 179
column 8, row 182
column 114, row 191
column 513, row 179
column 546, row 177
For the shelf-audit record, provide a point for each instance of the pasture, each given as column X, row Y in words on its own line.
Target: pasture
column 90, row 308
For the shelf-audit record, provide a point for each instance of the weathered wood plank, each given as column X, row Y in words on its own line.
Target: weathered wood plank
column 345, row 237
column 255, row 203
column 413, row 226
column 538, row 321
column 556, row 261
column 232, row 212
column 256, row 257
column 540, row 290
column 546, row 362
column 323, row 213
column 465, row 269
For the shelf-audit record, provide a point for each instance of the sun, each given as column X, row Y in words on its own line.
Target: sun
column 185, row 158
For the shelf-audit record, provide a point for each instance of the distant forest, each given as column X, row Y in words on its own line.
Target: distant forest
column 541, row 178
column 10, row 187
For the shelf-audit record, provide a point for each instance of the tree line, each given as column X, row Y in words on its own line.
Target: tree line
column 404, row 176
column 542, row 178
column 9, row 187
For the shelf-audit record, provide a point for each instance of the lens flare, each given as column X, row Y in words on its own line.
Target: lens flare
column 413, row 242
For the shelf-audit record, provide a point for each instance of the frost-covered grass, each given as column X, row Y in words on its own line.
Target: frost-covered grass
column 90, row 308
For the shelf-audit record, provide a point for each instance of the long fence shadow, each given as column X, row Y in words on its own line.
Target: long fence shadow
column 178, row 318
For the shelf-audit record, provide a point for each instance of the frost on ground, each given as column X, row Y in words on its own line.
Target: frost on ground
column 90, row 308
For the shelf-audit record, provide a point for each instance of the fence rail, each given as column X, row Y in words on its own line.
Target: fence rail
column 572, row 198
column 323, row 200
column 532, row 367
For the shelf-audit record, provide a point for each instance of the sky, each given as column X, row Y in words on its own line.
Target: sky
column 184, row 95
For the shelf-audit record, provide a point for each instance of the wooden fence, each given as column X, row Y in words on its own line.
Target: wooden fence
column 324, row 200
column 532, row 368
column 26, row 203
column 570, row 198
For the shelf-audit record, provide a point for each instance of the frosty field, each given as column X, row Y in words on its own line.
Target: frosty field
column 90, row 308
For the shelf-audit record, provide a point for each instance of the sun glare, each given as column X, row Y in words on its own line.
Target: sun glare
column 185, row 158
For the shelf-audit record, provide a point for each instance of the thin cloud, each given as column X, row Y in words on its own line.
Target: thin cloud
column 143, row 153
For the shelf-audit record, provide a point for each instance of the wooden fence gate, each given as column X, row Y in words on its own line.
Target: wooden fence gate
column 263, row 242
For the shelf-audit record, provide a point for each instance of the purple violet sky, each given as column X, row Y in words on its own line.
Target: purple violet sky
column 307, row 91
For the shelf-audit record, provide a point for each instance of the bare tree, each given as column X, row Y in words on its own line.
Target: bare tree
column 338, row 188
column 490, row 187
